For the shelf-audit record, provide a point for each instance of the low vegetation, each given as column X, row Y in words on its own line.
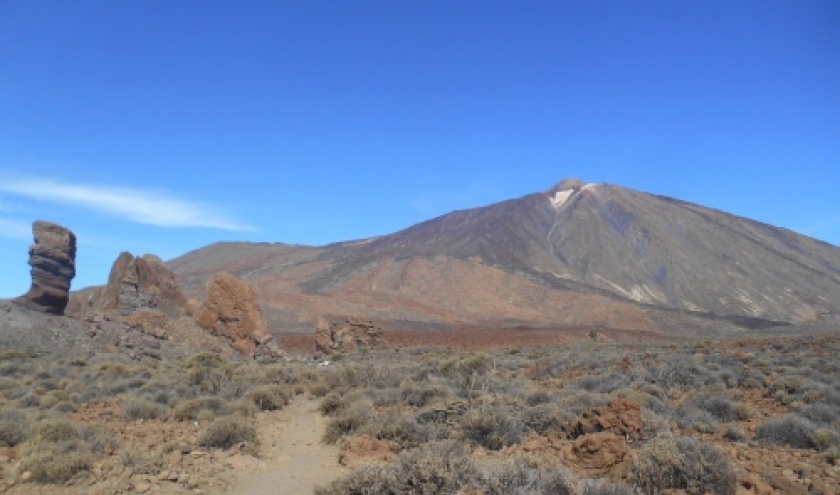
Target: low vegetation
column 589, row 418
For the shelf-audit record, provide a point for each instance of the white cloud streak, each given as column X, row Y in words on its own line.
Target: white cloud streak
column 136, row 205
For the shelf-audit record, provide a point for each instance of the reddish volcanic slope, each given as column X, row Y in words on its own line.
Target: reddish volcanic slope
column 575, row 256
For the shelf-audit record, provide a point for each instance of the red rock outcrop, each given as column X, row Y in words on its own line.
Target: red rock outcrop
column 621, row 417
column 53, row 262
column 603, row 452
column 346, row 335
column 231, row 309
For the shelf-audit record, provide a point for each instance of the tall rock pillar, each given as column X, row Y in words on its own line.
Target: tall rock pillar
column 53, row 262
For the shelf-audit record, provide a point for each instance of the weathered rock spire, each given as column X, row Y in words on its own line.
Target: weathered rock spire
column 53, row 262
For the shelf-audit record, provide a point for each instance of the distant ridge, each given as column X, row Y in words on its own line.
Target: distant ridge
column 577, row 254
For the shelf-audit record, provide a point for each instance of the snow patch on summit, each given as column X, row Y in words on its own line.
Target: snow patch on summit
column 560, row 197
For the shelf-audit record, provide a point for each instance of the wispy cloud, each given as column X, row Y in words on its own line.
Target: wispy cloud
column 137, row 205
column 14, row 229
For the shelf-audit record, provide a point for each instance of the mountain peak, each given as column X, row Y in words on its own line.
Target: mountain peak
column 565, row 189
column 566, row 184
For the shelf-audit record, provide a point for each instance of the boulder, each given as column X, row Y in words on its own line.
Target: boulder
column 346, row 335
column 53, row 262
column 231, row 310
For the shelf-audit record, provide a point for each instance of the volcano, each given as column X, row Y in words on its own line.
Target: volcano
column 577, row 255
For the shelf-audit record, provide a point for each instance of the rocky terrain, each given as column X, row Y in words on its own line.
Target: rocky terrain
column 134, row 388
column 575, row 256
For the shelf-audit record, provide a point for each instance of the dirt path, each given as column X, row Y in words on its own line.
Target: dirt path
column 296, row 460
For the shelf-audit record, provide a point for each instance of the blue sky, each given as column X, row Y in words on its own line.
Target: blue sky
column 162, row 126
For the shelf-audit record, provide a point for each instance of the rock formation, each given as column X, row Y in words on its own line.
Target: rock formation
column 141, row 292
column 346, row 335
column 231, row 310
column 137, row 283
column 53, row 262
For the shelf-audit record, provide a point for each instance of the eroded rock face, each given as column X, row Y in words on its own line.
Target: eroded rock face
column 141, row 292
column 53, row 262
column 346, row 335
column 231, row 309
column 138, row 283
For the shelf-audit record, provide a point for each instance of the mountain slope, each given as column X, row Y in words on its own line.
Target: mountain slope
column 577, row 254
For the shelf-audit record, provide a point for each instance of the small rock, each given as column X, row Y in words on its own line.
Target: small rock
column 26, row 476
column 142, row 487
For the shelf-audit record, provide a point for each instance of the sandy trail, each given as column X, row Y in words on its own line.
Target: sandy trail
column 296, row 459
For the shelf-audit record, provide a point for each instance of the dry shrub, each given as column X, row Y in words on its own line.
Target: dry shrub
column 204, row 360
column 142, row 461
column 790, row 429
column 269, row 397
column 435, row 469
column 99, row 438
column 226, row 432
column 193, row 409
column 12, row 433
column 55, row 430
column 523, row 476
column 683, row 463
column 135, row 409
column 319, row 389
column 547, row 418
column 421, row 396
column 331, row 404
column 603, row 487
column 405, row 431
column 14, row 428
column 57, row 451
column 57, row 462
column 493, row 429
column 352, row 420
